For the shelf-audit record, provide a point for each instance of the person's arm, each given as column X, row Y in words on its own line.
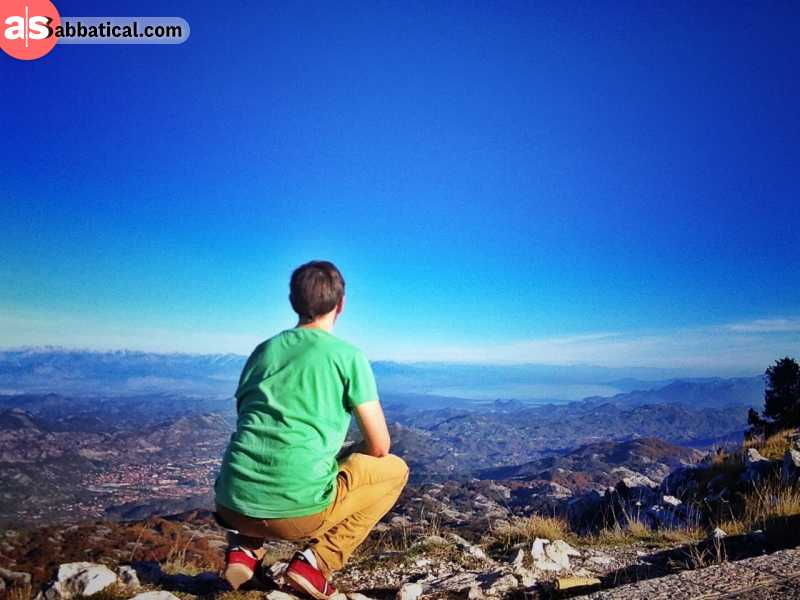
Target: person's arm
column 372, row 423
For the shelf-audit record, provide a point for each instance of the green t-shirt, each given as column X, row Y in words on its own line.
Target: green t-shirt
column 294, row 403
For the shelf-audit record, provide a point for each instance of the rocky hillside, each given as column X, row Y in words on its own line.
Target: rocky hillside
column 477, row 539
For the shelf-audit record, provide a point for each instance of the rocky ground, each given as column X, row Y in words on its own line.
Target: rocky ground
column 182, row 557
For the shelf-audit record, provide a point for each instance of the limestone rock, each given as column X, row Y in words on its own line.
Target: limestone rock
column 467, row 547
column 409, row 591
column 435, row 540
column 552, row 556
column 475, row 593
column 519, row 558
column 14, row 577
column 128, row 577
column 79, row 579
column 501, row 585
column 159, row 595
column 458, row 582
column 357, row 596
column 279, row 595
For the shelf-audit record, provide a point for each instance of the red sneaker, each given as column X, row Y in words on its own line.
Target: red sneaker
column 240, row 565
column 305, row 577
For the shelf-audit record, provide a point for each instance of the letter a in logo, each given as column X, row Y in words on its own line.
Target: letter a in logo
column 27, row 28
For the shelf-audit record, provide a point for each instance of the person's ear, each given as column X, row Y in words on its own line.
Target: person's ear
column 340, row 307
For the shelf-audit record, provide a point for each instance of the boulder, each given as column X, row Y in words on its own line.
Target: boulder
column 79, row 579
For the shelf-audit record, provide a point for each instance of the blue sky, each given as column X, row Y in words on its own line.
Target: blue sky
column 601, row 183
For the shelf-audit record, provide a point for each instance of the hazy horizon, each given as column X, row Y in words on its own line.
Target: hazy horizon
column 126, row 372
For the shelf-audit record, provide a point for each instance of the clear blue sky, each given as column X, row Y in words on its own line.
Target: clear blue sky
column 601, row 182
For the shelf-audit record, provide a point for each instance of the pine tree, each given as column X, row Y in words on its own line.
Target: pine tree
column 781, row 399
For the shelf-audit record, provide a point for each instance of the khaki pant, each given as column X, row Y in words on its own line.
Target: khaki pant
column 366, row 489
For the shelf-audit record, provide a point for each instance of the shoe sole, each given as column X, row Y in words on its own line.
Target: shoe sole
column 237, row 574
column 302, row 584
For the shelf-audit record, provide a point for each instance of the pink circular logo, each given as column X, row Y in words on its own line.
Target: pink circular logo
column 27, row 28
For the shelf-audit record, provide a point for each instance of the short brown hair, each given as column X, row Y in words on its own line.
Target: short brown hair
column 316, row 288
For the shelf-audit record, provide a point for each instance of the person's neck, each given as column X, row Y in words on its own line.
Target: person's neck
column 325, row 323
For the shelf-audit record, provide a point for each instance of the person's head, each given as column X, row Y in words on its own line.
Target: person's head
column 315, row 289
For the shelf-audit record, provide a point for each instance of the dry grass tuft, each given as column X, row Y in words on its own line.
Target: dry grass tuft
column 768, row 500
column 19, row 592
column 639, row 533
column 527, row 529
column 773, row 447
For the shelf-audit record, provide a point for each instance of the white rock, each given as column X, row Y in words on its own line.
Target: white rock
column 537, row 550
column 357, row 596
column 435, row 540
column 409, row 591
column 562, row 547
column 519, row 558
column 159, row 595
column 467, row 547
column 552, row 556
column 527, row 577
column 754, row 455
column 422, row 562
column 558, row 553
column 475, row 593
column 502, row 585
column 80, row 579
column 671, row 501
column 128, row 577
column 454, row 582
column 15, row 577
column 279, row 595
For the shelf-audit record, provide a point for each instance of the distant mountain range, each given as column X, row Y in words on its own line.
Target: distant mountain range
column 711, row 392
column 124, row 372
